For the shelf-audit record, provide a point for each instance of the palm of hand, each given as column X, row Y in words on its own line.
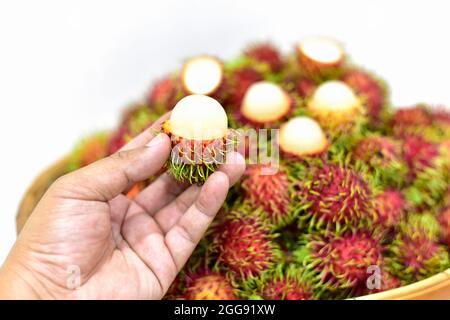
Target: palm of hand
column 87, row 240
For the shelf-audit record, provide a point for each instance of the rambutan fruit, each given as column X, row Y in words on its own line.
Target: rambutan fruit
column 339, row 263
column 302, row 136
column 415, row 256
column 383, row 157
column 320, row 57
column 269, row 191
column 238, row 82
column 89, row 150
column 285, row 282
column 135, row 120
column 209, row 286
column 411, row 121
column 429, row 171
column 164, row 94
column 332, row 197
column 198, row 128
column 267, row 54
column 424, row 223
column 386, row 282
column 264, row 104
column 391, row 207
column 305, row 88
column 444, row 223
column 372, row 91
column 202, row 75
column 243, row 243
column 335, row 105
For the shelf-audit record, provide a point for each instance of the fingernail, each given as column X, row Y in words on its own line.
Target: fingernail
column 155, row 141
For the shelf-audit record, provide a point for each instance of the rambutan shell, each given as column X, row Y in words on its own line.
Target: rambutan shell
column 210, row 287
column 268, row 190
column 319, row 56
column 265, row 53
column 368, row 88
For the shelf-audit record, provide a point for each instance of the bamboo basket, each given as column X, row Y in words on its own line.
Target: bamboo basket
column 435, row 287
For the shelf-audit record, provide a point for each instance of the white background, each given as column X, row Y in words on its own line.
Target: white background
column 69, row 67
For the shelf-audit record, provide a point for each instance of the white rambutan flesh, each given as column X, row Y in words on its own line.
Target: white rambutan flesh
column 198, row 117
column 202, row 75
column 302, row 136
column 321, row 50
column 265, row 102
column 334, row 98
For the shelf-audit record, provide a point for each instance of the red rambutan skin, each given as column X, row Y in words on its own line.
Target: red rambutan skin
column 268, row 191
column 238, row 83
column 305, row 88
column 388, row 282
column 336, row 195
column 117, row 140
column 390, row 206
column 344, row 259
column 408, row 120
column 441, row 114
column 209, row 287
column 444, row 221
column 245, row 246
column 377, row 151
column 163, row 93
column 95, row 150
column 419, row 154
column 287, row 289
column 416, row 250
column 367, row 87
column 266, row 53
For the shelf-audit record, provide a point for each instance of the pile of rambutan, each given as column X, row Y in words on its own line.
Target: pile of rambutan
column 355, row 199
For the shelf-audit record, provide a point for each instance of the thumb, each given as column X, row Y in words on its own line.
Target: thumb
column 107, row 178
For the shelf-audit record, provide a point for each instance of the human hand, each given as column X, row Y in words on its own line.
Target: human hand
column 85, row 233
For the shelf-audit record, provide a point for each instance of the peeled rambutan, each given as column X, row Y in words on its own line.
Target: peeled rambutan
column 198, row 128
column 301, row 137
column 333, row 197
column 391, row 207
column 202, row 75
column 340, row 262
column 370, row 89
column 383, row 157
column 89, row 150
column 238, row 83
column 320, row 57
column 267, row 54
column 444, row 222
column 335, row 105
column 244, row 244
column 264, row 104
column 164, row 94
column 210, row 286
column 415, row 256
column 269, row 190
